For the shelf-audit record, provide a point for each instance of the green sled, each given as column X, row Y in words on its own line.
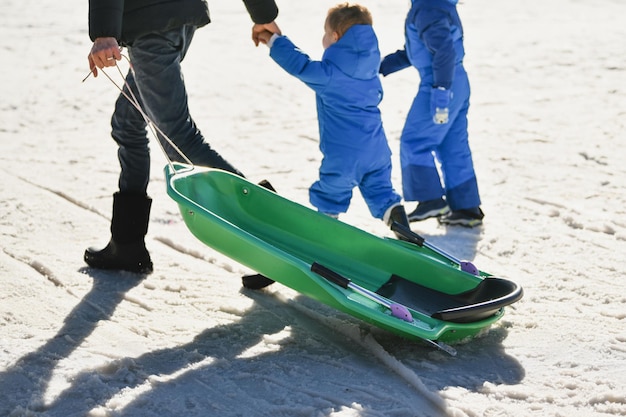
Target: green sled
column 299, row 248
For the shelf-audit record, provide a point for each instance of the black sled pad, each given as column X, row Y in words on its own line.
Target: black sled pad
column 485, row 300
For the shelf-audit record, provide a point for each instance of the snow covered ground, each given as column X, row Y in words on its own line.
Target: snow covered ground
column 547, row 131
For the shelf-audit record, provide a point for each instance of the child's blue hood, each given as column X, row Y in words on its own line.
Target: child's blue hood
column 356, row 53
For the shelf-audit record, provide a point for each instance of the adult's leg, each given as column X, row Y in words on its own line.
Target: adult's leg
column 156, row 60
column 129, row 131
column 126, row 249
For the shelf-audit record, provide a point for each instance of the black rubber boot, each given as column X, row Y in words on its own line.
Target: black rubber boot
column 127, row 249
column 256, row 281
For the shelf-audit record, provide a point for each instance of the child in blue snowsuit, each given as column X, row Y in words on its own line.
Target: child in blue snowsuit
column 436, row 125
column 348, row 91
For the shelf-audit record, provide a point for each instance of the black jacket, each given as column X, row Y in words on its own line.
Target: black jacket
column 126, row 20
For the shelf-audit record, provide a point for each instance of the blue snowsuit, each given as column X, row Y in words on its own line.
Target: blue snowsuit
column 352, row 139
column 434, row 45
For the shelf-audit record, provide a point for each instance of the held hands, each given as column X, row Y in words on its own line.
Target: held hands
column 104, row 53
column 259, row 32
column 439, row 104
column 265, row 36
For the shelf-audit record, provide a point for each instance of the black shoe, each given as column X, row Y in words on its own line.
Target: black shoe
column 467, row 217
column 132, row 257
column 430, row 208
column 256, row 281
column 267, row 184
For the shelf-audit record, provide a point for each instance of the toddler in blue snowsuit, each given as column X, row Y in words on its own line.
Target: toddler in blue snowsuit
column 436, row 125
column 348, row 92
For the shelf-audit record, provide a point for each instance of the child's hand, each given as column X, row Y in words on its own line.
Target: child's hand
column 264, row 37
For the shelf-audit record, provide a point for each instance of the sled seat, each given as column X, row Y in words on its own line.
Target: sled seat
column 485, row 300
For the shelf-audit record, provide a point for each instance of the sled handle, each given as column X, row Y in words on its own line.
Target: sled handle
column 414, row 238
column 330, row 275
column 397, row 310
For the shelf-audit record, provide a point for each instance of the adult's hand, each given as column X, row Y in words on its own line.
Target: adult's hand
column 257, row 29
column 104, row 53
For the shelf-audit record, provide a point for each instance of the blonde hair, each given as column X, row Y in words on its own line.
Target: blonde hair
column 343, row 16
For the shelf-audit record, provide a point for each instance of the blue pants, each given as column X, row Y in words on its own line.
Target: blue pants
column 343, row 169
column 156, row 81
column 424, row 144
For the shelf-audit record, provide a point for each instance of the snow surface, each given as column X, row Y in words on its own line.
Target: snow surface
column 547, row 131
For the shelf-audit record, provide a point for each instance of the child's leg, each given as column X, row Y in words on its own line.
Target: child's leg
column 378, row 191
column 457, row 165
column 332, row 192
column 420, row 136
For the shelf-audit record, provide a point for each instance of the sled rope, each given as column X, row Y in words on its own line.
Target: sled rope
column 135, row 103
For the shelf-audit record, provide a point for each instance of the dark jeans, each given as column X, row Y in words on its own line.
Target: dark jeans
column 157, row 82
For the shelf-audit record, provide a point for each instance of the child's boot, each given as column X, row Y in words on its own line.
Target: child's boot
column 396, row 214
column 427, row 209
